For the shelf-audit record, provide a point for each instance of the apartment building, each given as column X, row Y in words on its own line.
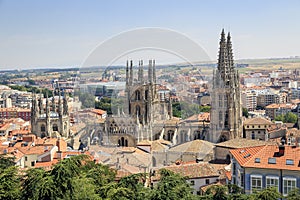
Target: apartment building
column 256, row 168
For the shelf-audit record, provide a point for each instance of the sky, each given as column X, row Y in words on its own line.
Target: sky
column 63, row 33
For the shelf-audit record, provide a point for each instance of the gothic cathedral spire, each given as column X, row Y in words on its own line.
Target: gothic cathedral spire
column 226, row 103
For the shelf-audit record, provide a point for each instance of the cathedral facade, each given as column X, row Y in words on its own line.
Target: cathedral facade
column 143, row 109
column 52, row 119
column 226, row 110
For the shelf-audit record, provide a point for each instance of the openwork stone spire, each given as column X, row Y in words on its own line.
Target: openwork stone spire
column 226, row 109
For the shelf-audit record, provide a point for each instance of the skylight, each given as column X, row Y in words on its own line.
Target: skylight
column 272, row 160
column 257, row 160
column 246, row 156
column 242, row 151
column 289, row 162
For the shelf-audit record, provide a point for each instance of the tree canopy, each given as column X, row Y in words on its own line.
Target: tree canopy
column 287, row 118
column 79, row 178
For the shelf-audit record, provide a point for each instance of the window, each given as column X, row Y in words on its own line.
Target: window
column 206, row 181
column 43, row 128
column 257, row 160
column 233, row 168
column 26, row 158
column 258, row 126
column 272, row 181
column 220, row 116
column 252, row 126
column 252, row 136
column 258, row 132
column 256, row 183
column 288, row 185
column 247, row 126
column 137, row 95
column 32, row 164
column 55, row 127
column 192, row 182
column 242, row 180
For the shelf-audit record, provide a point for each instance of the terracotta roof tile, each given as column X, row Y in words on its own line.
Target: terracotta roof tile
column 257, row 121
column 195, row 170
column 263, row 153
column 242, row 143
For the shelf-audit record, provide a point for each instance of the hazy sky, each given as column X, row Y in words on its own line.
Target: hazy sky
column 55, row 33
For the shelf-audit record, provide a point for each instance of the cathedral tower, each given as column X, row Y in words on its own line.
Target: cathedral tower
column 226, row 112
column 142, row 97
column 50, row 120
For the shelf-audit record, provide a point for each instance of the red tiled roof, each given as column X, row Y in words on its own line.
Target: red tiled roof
column 228, row 175
column 46, row 165
column 246, row 157
column 98, row 111
column 195, row 170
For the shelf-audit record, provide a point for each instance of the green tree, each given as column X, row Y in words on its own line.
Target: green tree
column 294, row 194
column 204, row 108
column 84, row 188
column 279, row 118
column 245, row 112
column 135, row 183
column 184, row 109
column 101, row 175
column 172, row 187
column 6, row 162
column 287, row 118
column 38, row 184
column 290, row 118
column 270, row 193
column 65, row 171
column 217, row 192
column 10, row 187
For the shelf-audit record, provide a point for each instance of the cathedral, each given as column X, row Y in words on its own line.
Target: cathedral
column 143, row 109
column 146, row 116
column 226, row 110
column 52, row 119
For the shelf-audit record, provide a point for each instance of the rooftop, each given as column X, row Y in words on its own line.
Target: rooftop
column 268, row 157
column 241, row 143
column 257, row 121
column 194, row 146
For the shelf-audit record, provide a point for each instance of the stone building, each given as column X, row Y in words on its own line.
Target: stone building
column 52, row 119
column 256, row 128
column 226, row 112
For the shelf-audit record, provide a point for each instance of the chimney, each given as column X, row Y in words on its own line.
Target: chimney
column 61, row 145
column 281, row 150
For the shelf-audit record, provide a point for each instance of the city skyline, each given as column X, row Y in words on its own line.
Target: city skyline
column 60, row 34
